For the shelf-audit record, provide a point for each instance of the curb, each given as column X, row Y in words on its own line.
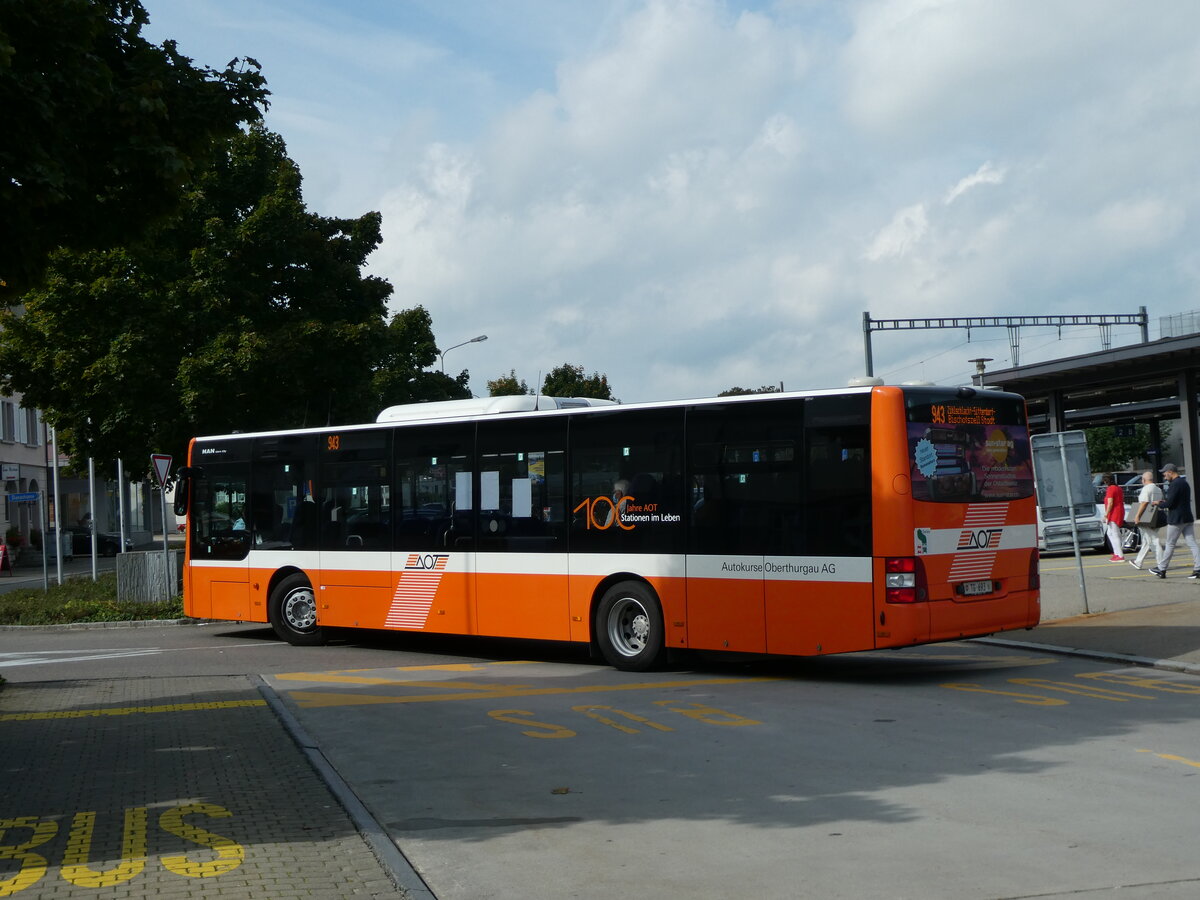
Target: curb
column 390, row 856
column 87, row 626
column 1127, row 659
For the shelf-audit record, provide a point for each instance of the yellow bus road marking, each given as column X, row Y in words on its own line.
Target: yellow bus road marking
column 445, row 667
column 20, row 835
column 968, row 657
column 312, row 699
column 1031, row 699
column 1081, row 690
column 1173, row 758
column 332, row 678
column 1143, row 681
column 129, row 710
column 968, row 664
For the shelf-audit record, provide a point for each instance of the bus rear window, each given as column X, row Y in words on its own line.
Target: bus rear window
column 967, row 450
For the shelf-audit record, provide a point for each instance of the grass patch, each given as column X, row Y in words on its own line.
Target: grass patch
column 80, row 600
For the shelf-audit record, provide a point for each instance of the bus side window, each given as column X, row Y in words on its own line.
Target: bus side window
column 837, row 495
column 281, row 492
column 745, row 466
column 522, row 486
column 627, row 491
column 355, row 511
column 218, row 512
column 433, row 503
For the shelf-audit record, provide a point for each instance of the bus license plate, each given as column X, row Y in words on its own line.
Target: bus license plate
column 975, row 588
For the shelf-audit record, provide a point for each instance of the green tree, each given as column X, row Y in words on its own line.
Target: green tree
column 1109, row 453
column 245, row 312
column 507, row 385
column 739, row 391
column 101, row 129
column 408, row 349
column 569, row 381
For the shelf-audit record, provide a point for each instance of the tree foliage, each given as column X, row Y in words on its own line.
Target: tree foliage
column 244, row 312
column 101, row 129
column 569, row 381
column 739, row 391
column 400, row 375
column 1109, row 453
column 507, row 385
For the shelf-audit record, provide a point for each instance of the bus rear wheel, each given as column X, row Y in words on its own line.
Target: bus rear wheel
column 629, row 627
column 293, row 612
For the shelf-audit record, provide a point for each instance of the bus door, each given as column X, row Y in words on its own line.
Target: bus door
column 521, row 560
column 730, row 488
column 819, row 578
column 433, row 515
column 218, row 582
column 353, row 509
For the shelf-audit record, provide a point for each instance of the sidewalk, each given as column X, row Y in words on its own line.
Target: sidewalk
column 172, row 787
column 1130, row 616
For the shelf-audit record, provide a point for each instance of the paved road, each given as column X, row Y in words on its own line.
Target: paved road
column 510, row 769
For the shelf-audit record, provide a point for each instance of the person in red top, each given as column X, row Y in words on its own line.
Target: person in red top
column 1114, row 517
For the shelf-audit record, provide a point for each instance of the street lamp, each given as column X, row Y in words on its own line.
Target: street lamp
column 980, row 366
column 474, row 340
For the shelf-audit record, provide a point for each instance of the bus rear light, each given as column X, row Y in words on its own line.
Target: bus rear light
column 904, row 580
column 1035, row 577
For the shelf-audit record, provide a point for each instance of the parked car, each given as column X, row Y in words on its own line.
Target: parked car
column 1120, row 478
column 106, row 544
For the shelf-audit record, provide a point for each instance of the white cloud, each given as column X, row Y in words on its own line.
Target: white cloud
column 900, row 236
column 985, row 174
column 691, row 194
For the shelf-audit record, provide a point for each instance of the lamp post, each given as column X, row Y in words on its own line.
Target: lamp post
column 474, row 340
column 980, row 366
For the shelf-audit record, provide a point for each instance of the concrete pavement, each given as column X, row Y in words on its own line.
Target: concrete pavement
column 1118, row 613
column 189, row 787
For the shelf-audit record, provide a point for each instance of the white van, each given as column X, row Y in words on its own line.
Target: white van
column 1054, row 527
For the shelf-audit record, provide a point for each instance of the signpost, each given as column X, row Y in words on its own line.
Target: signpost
column 162, row 468
column 29, row 497
column 1062, row 472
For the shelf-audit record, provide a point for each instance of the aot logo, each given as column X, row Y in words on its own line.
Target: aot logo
column 415, row 589
column 982, row 539
column 425, row 562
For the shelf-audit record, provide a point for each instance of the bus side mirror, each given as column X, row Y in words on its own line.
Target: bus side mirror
column 183, row 487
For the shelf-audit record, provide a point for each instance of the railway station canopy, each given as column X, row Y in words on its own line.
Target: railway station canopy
column 1138, row 383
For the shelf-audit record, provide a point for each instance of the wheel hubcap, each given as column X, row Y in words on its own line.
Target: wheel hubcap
column 628, row 626
column 300, row 609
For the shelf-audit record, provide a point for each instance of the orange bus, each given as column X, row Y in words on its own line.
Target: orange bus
column 790, row 523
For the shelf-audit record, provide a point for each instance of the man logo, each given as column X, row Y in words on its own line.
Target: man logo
column 983, row 539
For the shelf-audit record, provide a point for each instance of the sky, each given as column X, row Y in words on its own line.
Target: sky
column 691, row 195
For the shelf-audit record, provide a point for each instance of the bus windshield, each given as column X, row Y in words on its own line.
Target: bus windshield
column 968, row 449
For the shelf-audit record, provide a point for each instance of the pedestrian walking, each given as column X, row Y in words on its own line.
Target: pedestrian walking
column 1114, row 517
column 1177, row 500
column 1149, row 498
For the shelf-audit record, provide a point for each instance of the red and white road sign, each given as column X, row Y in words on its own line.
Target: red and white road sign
column 162, row 466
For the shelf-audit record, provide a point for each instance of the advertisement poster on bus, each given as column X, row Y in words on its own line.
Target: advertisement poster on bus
column 967, row 454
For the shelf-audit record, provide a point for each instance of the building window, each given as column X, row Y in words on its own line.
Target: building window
column 33, row 429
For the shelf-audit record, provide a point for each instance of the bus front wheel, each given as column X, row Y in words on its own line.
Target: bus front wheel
column 293, row 612
column 629, row 627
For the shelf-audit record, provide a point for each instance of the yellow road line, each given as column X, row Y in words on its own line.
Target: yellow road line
column 128, row 710
column 312, row 699
column 445, row 667
column 1173, row 758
